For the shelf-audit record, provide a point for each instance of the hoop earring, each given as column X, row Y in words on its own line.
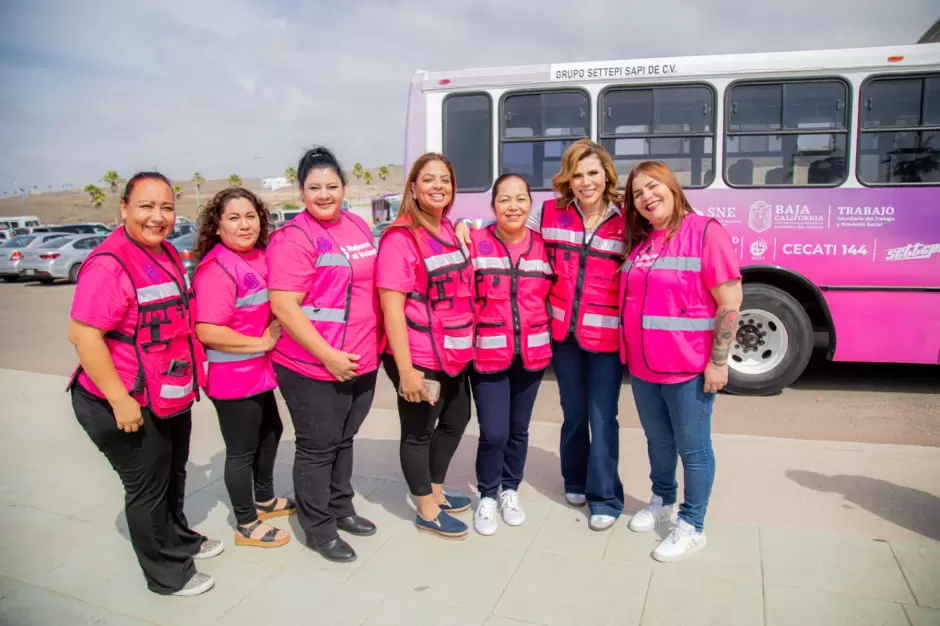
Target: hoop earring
column 414, row 196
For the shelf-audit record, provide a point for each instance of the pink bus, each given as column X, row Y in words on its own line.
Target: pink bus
column 823, row 165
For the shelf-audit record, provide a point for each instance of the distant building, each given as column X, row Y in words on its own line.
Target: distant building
column 275, row 183
column 932, row 35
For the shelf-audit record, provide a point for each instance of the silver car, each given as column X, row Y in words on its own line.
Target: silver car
column 14, row 250
column 59, row 258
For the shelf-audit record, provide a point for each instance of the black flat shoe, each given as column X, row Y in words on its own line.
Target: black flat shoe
column 356, row 525
column 336, row 550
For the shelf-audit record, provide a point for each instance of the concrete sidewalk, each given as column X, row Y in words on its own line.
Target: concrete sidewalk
column 799, row 532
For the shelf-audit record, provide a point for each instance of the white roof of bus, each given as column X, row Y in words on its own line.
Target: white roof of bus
column 886, row 58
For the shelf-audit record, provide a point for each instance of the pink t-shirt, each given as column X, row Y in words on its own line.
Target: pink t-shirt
column 719, row 265
column 516, row 249
column 292, row 265
column 399, row 260
column 217, row 305
column 105, row 299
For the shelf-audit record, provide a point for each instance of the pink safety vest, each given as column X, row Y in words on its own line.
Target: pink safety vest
column 441, row 305
column 327, row 302
column 584, row 298
column 233, row 376
column 511, row 303
column 163, row 344
column 678, row 322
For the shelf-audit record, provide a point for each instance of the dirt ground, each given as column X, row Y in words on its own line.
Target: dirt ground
column 832, row 401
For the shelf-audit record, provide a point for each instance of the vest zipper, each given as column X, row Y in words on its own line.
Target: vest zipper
column 582, row 266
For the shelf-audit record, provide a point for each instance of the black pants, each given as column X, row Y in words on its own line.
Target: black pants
column 251, row 428
column 504, row 409
column 430, row 434
column 327, row 416
column 152, row 466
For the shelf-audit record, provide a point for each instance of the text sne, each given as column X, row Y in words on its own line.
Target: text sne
column 824, row 249
column 586, row 71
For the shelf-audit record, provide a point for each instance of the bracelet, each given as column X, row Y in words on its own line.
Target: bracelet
column 716, row 363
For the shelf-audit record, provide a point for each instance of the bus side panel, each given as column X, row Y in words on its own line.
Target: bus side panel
column 415, row 122
column 886, row 327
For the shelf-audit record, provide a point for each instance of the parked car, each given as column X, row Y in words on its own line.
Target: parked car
column 184, row 244
column 183, row 228
column 58, row 258
column 80, row 229
column 13, row 250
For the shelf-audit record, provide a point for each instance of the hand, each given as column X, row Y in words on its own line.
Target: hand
column 342, row 365
column 716, row 377
column 127, row 414
column 271, row 334
column 462, row 232
column 412, row 386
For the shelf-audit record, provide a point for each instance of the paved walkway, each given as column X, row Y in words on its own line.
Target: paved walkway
column 800, row 533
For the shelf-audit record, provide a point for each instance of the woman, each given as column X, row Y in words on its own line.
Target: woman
column 233, row 320
column 135, row 384
column 583, row 230
column 681, row 289
column 513, row 347
column 425, row 282
column 321, row 268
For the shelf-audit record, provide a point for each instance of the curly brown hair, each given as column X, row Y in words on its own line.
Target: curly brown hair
column 211, row 215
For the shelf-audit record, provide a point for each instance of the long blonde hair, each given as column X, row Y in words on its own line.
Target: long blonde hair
column 638, row 227
column 410, row 210
column 577, row 152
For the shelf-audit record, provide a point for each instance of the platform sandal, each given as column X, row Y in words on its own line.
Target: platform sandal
column 267, row 511
column 270, row 539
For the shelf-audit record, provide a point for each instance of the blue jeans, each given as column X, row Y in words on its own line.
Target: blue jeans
column 677, row 420
column 589, row 384
column 504, row 408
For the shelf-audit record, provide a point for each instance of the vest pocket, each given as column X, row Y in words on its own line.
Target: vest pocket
column 457, row 338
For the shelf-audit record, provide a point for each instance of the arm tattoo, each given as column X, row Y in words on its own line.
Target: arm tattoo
column 726, row 324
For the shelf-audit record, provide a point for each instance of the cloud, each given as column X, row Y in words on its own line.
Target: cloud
column 212, row 85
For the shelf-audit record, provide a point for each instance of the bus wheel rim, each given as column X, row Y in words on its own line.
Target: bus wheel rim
column 760, row 343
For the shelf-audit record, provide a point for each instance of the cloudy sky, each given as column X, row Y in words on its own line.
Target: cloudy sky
column 242, row 86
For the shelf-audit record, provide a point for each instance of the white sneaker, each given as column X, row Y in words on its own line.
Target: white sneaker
column 683, row 541
column 652, row 515
column 510, row 508
column 602, row 522
column 199, row 583
column 576, row 499
column 485, row 521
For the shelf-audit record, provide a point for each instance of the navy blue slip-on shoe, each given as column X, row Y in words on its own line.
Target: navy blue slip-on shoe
column 445, row 526
column 456, row 504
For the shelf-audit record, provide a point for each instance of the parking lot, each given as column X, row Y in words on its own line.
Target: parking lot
column 832, row 401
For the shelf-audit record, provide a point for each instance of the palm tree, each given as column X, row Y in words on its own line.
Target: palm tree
column 367, row 177
column 291, row 174
column 358, row 171
column 96, row 196
column 198, row 179
column 112, row 178
column 383, row 172
column 177, row 191
column 235, row 180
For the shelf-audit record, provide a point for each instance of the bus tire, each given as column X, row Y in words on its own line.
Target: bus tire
column 773, row 343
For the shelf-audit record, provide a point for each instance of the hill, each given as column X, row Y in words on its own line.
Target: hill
column 64, row 207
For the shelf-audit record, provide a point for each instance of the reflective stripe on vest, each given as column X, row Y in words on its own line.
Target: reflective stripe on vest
column 160, row 291
column 319, row 314
column 439, row 261
column 662, row 322
column 332, row 260
column 563, row 235
column 492, row 263
column 458, row 343
column 496, row 341
column 259, row 297
column 217, row 356
column 677, row 263
column 541, row 339
column 611, row 246
column 173, row 392
column 557, row 313
column 600, row 321
column 534, row 265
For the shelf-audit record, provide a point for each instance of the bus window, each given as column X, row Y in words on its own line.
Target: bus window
column 675, row 125
column 468, row 139
column 781, row 134
column 535, row 130
column 899, row 131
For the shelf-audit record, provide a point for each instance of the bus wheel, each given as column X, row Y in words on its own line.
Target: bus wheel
column 773, row 343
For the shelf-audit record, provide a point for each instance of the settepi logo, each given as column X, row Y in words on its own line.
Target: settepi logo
column 912, row 252
column 760, row 216
column 758, row 249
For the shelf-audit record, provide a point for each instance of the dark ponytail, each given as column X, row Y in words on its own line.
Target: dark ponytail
column 318, row 158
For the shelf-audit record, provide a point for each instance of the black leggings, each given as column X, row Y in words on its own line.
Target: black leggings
column 251, row 428
column 430, row 434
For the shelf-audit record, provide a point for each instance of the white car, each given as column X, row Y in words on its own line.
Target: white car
column 58, row 258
